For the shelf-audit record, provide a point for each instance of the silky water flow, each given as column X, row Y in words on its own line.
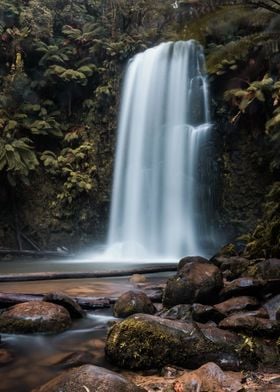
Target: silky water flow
column 163, row 198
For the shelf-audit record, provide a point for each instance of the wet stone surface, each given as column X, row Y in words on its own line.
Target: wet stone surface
column 36, row 316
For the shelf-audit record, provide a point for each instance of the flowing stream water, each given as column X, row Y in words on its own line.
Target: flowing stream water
column 162, row 203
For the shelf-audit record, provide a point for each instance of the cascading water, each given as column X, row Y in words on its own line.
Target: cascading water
column 161, row 193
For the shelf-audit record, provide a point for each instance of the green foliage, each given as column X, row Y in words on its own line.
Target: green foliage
column 74, row 166
column 243, row 98
column 17, row 157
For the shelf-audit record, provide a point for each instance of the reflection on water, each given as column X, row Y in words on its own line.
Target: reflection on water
column 37, row 356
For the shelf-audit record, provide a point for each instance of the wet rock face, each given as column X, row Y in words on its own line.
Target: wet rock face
column 133, row 302
column 35, row 316
column 251, row 325
column 237, row 304
column 91, row 378
column 146, row 342
column 67, row 302
column 194, row 282
column 242, row 286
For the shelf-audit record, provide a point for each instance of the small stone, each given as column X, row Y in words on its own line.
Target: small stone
column 133, row 302
column 138, row 278
column 67, row 302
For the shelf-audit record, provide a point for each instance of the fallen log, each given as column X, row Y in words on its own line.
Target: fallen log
column 89, row 303
column 35, row 253
column 33, row 276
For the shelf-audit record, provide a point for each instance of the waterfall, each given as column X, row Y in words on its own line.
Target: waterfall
column 162, row 196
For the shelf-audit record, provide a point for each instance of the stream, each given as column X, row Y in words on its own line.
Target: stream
column 37, row 357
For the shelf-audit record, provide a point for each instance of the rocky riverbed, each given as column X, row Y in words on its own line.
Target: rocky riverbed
column 216, row 328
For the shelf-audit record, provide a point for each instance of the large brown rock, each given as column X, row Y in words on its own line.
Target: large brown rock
column 89, row 378
column 194, row 282
column 145, row 342
column 133, row 302
column 35, row 316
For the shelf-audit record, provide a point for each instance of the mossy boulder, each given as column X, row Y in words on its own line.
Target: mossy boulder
column 89, row 378
column 146, row 342
column 35, row 316
column 194, row 282
column 132, row 302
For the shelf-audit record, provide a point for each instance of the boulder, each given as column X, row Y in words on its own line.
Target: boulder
column 133, row 302
column 191, row 259
column 89, row 378
column 251, row 325
column 242, row 286
column 194, row 282
column 67, row 302
column 35, row 316
column 237, row 304
column 147, row 342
